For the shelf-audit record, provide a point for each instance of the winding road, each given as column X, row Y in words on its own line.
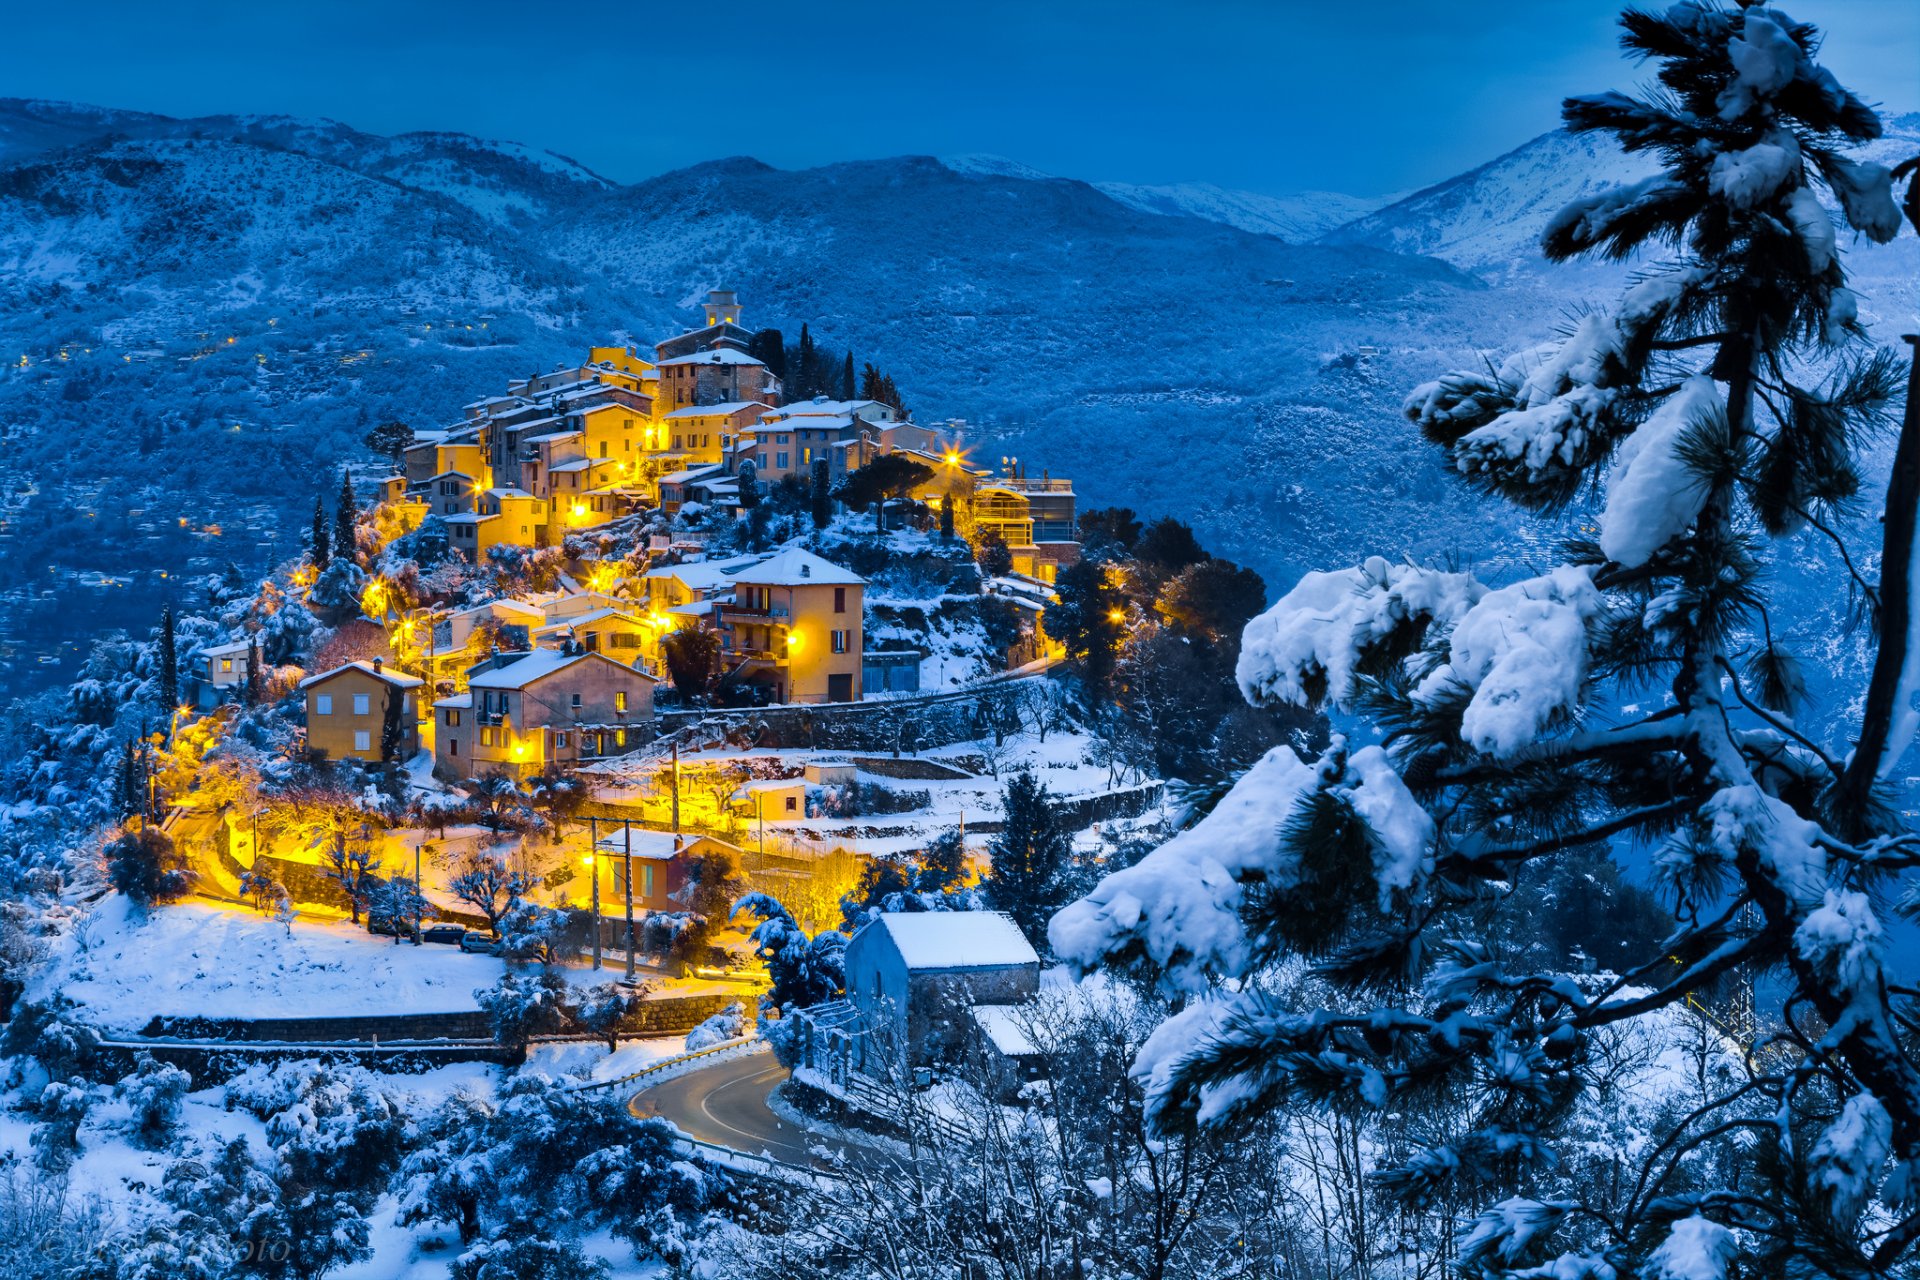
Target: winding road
column 726, row 1104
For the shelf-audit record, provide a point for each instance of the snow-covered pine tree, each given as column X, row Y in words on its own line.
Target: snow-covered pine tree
column 1718, row 409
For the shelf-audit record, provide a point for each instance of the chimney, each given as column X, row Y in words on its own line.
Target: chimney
column 376, row 666
column 806, row 571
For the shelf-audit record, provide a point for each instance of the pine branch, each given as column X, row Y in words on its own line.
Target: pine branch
column 1852, row 801
column 1733, row 677
column 1474, row 857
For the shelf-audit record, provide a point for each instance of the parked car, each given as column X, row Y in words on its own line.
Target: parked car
column 451, row 934
column 389, row 926
column 479, row 943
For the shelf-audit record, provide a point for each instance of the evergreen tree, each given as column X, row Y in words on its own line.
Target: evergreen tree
column 169, row 660
column 889, row 476
column 147, row 866
column 946, row 518
column 769, row 347
column 993, row 555
column 1031, row 876
column 871, row 387
column 390, row 441
column 319, row 548
column 1084, row 622
column 392, row 726
column 749, row 485
column 346, row 537
column 822, row 494
column 692, row 656
column 806, row 380
column 250, row 688
column 846, row 386
column 943, row 865
column 1518, row 729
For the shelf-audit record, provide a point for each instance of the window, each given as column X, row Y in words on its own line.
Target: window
column 453, row 746
column 453, row 719
column 603, row 448
column 362, row 740
column 620, row 700
column 646, row 881
column 362, row 704
column 486, row 737
column 781, row 464
column 619, row 737
column 839, row 599
column 226, row 665
column 560, row 741
column 323, row 704
column 792, row 803
column 840, row 641
column 576, row 702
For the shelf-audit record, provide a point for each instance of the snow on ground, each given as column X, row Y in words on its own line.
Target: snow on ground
column 197, row 959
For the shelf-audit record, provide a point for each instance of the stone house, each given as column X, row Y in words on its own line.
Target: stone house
column 915, row 977
column 526, row 711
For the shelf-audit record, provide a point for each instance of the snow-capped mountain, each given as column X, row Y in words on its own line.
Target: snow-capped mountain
column 215, row 311
column 1488, row 220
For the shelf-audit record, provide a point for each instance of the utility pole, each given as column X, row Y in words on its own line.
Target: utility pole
column 419, row 892
column 676, row 787
column 593, row 860
column 629, row 888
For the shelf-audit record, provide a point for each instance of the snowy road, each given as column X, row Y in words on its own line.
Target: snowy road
column 726, row 1104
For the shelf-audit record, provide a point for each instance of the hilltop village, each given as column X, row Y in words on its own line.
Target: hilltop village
column 648, row 711
column 643, row 638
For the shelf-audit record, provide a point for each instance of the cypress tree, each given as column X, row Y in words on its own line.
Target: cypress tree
column 250, row 690
column 946, row 518
column 320, row 547
column 870, row 388
column 822, row 494
column 805, row 384
column 846, row 378
column 346, row 508
column 169, row 662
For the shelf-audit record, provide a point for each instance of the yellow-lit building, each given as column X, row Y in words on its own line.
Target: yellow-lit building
column 347, row 709
column 793, row 624
column 524, row 712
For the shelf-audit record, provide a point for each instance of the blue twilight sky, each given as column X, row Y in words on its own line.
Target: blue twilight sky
column 1276, row 97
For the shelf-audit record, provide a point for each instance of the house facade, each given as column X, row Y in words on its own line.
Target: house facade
column 347, row 710
column 793, row 625
column 913, row 979
column 525, row 712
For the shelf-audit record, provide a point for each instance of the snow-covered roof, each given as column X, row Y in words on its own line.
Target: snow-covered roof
column 956, row 939
column 538, row 665
column 580, row 464
column 398, row 679
column 458, row 702
column 808, row 422
column 718, row 355
column 715, row 410
column 1004, row 1025
column 703, row 575
column 691, row 473
column 595, row 615
column 693, row 609
column 228, row 649
column 656, row 845
column 797, row 567
column 822, row 407
column 550, row 437
column 508, row 492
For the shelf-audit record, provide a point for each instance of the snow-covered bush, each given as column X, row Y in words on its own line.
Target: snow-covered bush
column 153, row 1092
column 521, row 1006
column 728, row 1024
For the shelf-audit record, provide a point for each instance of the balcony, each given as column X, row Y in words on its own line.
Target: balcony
column 749, row 611
column 1024, row 484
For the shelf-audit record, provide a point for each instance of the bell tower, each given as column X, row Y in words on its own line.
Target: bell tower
column 722, row 307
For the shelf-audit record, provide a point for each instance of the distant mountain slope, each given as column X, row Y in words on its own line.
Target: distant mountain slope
column 1299, row 218
column 1489, row 219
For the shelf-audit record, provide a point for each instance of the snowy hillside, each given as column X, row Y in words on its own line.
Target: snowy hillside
column 229, row 303
column 1489, row 219
column 1301, row 217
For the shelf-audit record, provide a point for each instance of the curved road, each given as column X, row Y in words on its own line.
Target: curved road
column 726, row 1104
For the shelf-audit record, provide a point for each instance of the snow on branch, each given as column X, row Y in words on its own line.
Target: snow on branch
column 1652, row 496
column 1308, row 647
column 1180, row 905
column 1523, row 652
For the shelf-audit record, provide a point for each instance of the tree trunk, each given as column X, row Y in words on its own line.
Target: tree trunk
column 1852, row 803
